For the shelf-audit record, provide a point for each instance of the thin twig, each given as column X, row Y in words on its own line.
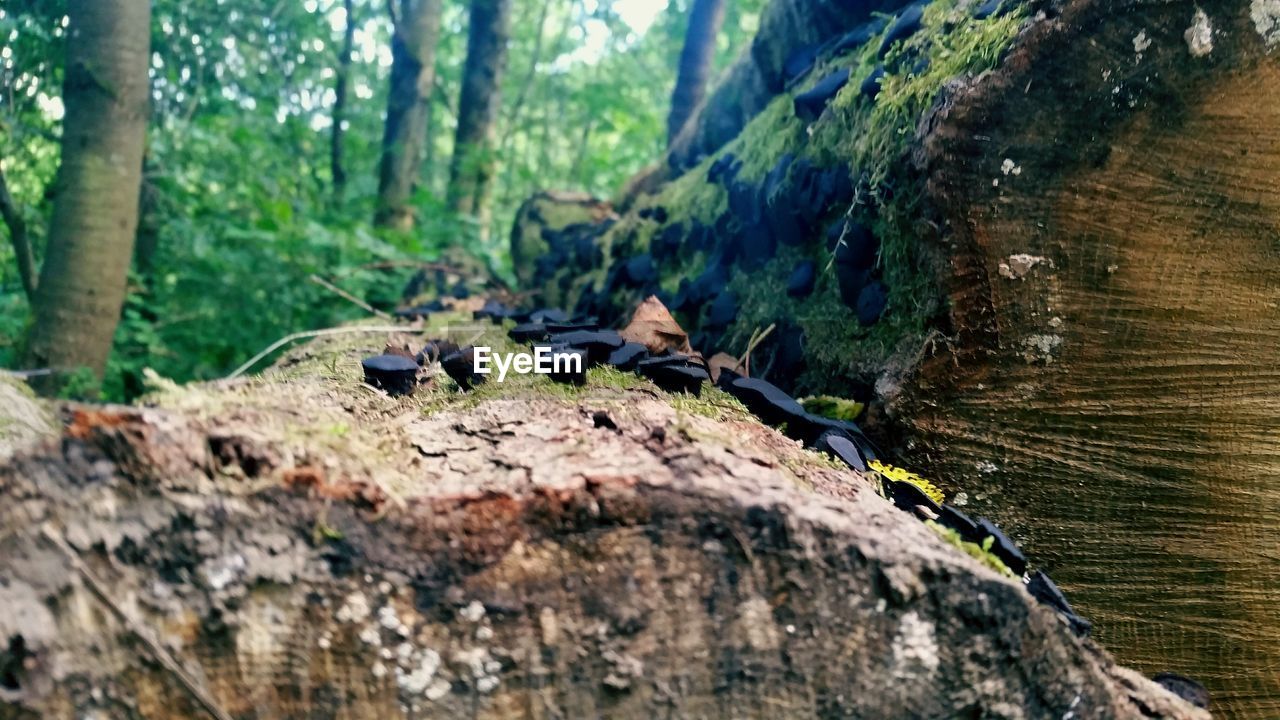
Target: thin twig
column 347, row 296
column 757, row 337
column 161, row 656
column 39, row 372
column 315, row 333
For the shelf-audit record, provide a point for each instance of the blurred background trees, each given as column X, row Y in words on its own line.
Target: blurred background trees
column 279, row 131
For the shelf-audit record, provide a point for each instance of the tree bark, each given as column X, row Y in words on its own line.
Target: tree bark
column 413, row 48
column 1087, row 352
column 524, row 551
column 337, row 168
column 694, row 70
column 472, row 167
column 17, row 226
column 95, row 215
column 758, row 75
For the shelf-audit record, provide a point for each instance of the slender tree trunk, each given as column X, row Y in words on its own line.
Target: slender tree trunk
column 337, row 170
column 95, row 215
column 413, row 50
column 472, row 167
column 12, row 215
column 147, row 240
column 695, row 62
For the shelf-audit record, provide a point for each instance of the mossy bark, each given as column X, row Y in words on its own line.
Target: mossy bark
column 1074, row 209
column 299, row 545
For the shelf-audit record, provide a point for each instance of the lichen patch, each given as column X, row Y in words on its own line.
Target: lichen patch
column 1199, row 36
column 1266, row 19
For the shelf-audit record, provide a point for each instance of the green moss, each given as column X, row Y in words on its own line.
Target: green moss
column 981, row 553
column 833, row 407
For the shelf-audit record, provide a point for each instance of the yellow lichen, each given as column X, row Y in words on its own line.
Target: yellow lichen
column 898, row 474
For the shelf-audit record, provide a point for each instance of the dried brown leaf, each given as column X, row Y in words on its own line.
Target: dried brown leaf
column 652, row 326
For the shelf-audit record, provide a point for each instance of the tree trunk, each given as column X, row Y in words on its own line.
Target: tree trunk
column 147, row 242
column 337, row 168
column 413, row 49
column 17, row 227
column 95, row 215
column 526, row 550
column 787, row 27
column 1070, row 210
column 472, row 167
column 695, row 63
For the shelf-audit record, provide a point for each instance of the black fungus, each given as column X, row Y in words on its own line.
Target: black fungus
column 810, row 104
column 460, row 366
column 842, row 447
column 723, row 169
column 851, row 281
column 546, row 266
column 987, row 9
column 903, row 27
column 744, row 203
column 396, row 374
column 855, row 245
column 799, row 62
column 871, row 85
column 803, row 276
column 1003, row 548
column 871, row 302
column 674, row 377
column 627, row 356
column 419, row 311
column 764, row 399
column 549, row 315
column 434, row 350
column 723, row 310
column 909, row 496
column 858, row 36
column 1184, row 687
column 571, row 325
column 1046, row 591
column 666, row 243
column 567, row 371
column 964, row 525
column 598, row 344
column 758, row 246
column 528, row 332
column 709, row 284
column 494, row 310
column 640, row 270
column 808, row 427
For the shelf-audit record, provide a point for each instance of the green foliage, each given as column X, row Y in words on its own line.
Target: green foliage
column 239, row 211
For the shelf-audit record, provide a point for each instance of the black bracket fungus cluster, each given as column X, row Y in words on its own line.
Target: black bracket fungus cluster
column 678, row 372
column 803, row 59
column 775, row 407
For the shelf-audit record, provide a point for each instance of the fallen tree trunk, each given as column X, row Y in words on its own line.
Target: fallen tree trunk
column 301, row 545
column 1038, row 240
